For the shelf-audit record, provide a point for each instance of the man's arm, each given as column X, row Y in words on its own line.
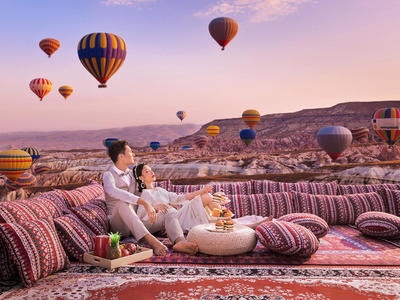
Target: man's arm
column 113, row 191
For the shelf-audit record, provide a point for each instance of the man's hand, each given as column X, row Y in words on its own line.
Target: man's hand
column 163, row 208
column 151, row 212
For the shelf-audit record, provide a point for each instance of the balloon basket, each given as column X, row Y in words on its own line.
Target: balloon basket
column 102, row 85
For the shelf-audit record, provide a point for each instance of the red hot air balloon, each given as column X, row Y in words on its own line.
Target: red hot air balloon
column 41, row 87
column 223, row 30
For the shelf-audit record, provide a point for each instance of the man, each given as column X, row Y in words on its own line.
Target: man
column 119, row 187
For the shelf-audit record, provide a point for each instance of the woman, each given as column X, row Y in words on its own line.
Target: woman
column 188, row 209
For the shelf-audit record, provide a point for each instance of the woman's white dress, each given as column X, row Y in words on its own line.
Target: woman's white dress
column 190, row 214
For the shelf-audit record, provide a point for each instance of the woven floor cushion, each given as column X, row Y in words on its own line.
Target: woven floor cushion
column 22, row 210
column 365, row 188
column 58, row 198
column 315, row 224
column 287, row 238
column 273, row 204
column 165, row 184
column 317, row 188
column 35, row 248
column 379, row 224
column 366, row 202
column 8, row 270
column 392, row 201
column 93, row 216
column 236, row 188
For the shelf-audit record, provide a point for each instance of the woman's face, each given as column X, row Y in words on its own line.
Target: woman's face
column 147, row 175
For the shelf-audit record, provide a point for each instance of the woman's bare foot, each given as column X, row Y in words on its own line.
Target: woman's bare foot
column 186, row 247
column 159, row 248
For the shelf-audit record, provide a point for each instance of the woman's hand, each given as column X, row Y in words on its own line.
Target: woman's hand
column 163, row 208
column 176, row 206
column 206, row 189
column 151, row 212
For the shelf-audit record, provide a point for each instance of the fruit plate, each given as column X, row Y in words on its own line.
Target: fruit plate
column 211, row 228
column 140, row 254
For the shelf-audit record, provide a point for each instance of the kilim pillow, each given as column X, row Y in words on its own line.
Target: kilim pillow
column 185, row 188
column 237, row 188
column 379, row 224
column 58, row 198
column 287, row 238
column 165, row 184
column 83, row 194
column 18, row 211
column 93, row 216
column 392, row 201
column 74, row 235
column 312, row 222
column 365, row 188
column 316, row 188
column 35, row 249
column 8, row 270
column 366, row 202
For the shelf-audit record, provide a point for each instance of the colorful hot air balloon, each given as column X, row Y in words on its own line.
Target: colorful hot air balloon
column 386, row 123
column 49, row 46
column 181, row 115
column 200, row 141
column 102, row 54
column 213, row 130
column 41, row 87
column 251, row 117
column 107, row 142
column 13, row 163
column 41, row 169
column 154, row 145
column 65, row 91
column 187, row 148
column 223, row 30
column 33, row 152
column 25, row 180
column 247, row 136
column 334, row 140
column 359, row 133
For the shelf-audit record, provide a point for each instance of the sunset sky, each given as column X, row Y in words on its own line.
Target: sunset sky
column 288, row 55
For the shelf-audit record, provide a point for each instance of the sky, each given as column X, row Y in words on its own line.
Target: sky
column 288, row 55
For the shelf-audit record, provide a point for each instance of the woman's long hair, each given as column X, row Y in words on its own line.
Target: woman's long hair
column 137, row 172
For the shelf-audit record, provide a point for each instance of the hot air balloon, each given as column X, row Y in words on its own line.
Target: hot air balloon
column 41, row 169
column 223, row 30
column 25, row 180
column 359, row 133
column 334, row 140
column 102, row 54
column 386, row 123
column 181, row 115
column 13, row 163
column 154, row 145
column 65, row 91
column 33, row 152
column 251, row 117
column 247, row 136
column 107, row 142
column 49, row 46
column 213, row 130
column 200, row 141
column 187, row 148
column 41, row 87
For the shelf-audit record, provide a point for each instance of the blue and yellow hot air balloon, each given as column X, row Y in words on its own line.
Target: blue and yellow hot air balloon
column 187, row 148
column 107, row 142
column 13, row 163
column 200, row 141
column 247, row 136
column 33, row 152
column 102, row 54
column 359, row 133
column 25, row 180
column 251, row 117
column 386, row 123
column 41, row 169
column 181, row 115
column 154, row 145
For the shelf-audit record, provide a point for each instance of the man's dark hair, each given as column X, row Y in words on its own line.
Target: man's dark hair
column 116, row 148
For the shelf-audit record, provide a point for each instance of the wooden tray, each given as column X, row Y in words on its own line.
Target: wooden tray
column 140, row 254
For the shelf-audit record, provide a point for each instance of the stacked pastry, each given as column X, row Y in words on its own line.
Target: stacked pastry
column 220, row 197
column 224, row 225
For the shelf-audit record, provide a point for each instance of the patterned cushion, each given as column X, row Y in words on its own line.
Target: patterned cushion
column 237, row 188
column 185, row 188
column 365, row 188
column 274, row 204
column 52, row 207
column 165, row 184
column 58, row 198
column 35, row 249
column 312, row 222
column 366, row 202
column 8, row 270
column 93, row 216
column 74, row 235
column 18, row 211
column 392, row 201
column 379, row 224
column 83, row 194
column 317, row 188
column 287, row 238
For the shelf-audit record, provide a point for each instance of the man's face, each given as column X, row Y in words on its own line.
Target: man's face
column 128, row 156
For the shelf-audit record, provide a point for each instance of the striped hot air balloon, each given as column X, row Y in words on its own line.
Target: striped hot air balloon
column 251, row 117
column 107, row 142
column 223, row 30
column 334, row 140
column 25, row 180
column 41, row 87
column 102, row 54
column 359, row 133
column 386, row 123
column 41, row 169
column 154, row 145
column 181, row 115
column 65, row 91
column 213, row 130
column 49, row 46
column 13, row 163
column 33, row 152
column 247, row 136
column 200, row 141
column 187, row 148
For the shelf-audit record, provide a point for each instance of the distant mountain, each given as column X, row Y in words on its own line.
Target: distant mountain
column 291, row 130
column 137, row 136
